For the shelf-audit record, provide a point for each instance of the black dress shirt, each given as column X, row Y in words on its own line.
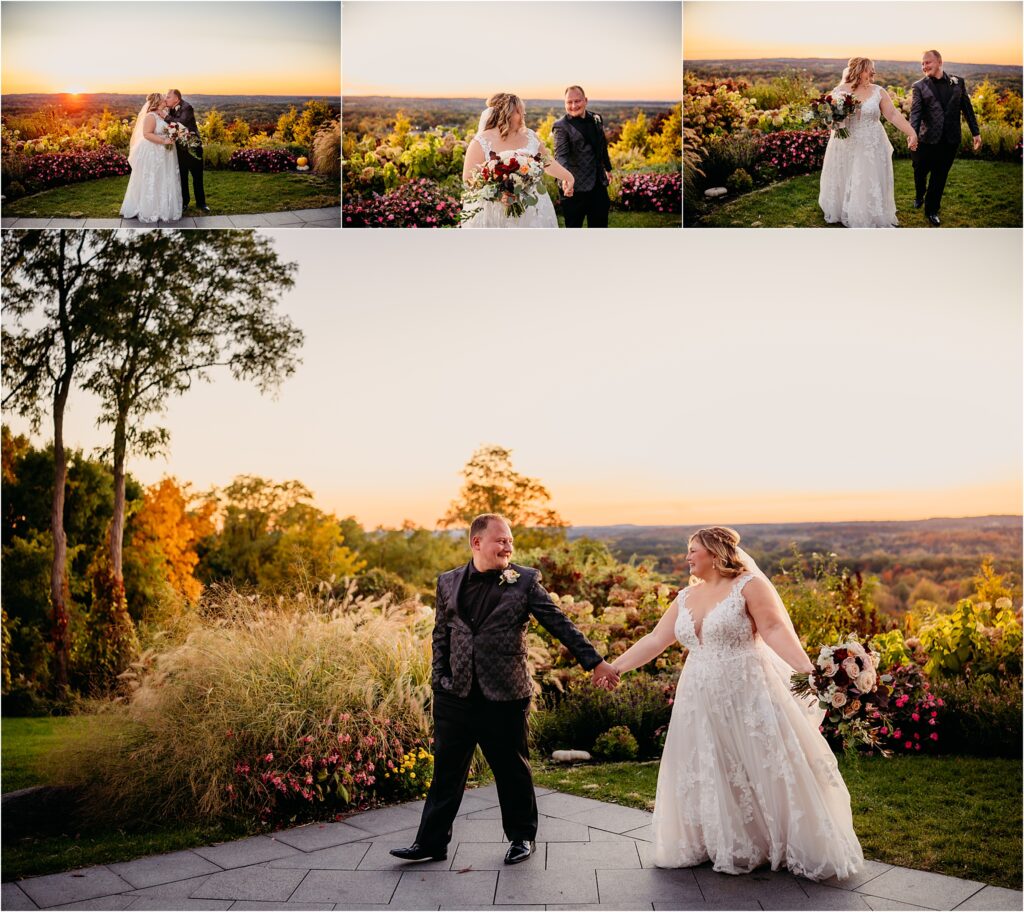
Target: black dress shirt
column 588, row 127
column 942, row 89
column 479, row 595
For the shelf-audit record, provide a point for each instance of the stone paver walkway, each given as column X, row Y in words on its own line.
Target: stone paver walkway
column 591, row 856
column 329, row 217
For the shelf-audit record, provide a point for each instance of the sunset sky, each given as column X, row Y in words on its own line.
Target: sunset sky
column 966, row 31
column 641, row 379
column 626, row 50
column 230, row 48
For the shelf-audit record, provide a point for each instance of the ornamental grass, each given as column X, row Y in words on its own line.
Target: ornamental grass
column 265, row 710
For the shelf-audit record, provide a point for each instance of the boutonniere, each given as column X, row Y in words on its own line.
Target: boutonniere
column 508, row 577
column 597, row 119
column 953, row 80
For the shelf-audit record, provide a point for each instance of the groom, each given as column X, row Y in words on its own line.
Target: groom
column 582, row 149
column 938, row 101
column 482, row 687
column 181, row 112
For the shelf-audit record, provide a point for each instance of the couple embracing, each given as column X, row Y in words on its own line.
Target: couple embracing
column 857, row 187
column 165, row 148
column 503, row 172
column 746, row 778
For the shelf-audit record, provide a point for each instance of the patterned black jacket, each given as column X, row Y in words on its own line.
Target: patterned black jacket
column 184, row 114
column 935, row 124
column 496, row 653
column 574, row 153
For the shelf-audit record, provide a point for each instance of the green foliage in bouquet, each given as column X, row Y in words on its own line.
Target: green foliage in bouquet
column 617, row 743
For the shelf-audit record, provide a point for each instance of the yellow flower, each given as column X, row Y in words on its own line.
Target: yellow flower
column 412, row 775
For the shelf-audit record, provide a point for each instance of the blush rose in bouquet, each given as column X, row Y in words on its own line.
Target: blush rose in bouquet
column 185, row 138
column 847, row 685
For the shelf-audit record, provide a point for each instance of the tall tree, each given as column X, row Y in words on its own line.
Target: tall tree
column 182, row 304
column 492, row 485
column 53, row 328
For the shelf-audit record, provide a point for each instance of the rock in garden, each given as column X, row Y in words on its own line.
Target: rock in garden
column 569, row 756
column 715, row 192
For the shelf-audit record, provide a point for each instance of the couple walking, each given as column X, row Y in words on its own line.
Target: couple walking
column 857, row 187
column 746, row 777
column 580, row 164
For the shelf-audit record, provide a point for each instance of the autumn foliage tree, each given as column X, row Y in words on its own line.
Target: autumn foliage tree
column 492, row 485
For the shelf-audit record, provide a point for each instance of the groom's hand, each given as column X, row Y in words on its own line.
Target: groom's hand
column 604, row 675
column 977, row 143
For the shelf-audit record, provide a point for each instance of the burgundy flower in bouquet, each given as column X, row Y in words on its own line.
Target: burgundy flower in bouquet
column 832, row 111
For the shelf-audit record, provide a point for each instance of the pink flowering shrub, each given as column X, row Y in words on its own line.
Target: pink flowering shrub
column 789, row 153
column 265, row 161
column 414, row 204
column 912, row 722
column 650, row 192
column 55, row 169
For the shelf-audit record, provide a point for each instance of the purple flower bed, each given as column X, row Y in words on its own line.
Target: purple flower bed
column 652, row 192
column 790, row 152
column 416, row 204
column 264, row 161
column 54, row 169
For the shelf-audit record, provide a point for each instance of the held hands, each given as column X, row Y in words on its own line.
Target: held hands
column 567, row 188
column 605, row 676
column 977, row 143
column 912, row 141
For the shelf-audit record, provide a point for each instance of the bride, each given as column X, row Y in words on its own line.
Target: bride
column 503, row 130
column 856, row 177
column 154, row 188
column 746, row 777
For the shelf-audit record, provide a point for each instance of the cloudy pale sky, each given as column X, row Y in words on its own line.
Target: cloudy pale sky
column 210, row 48
column 968, row 31
column 624, row 50
column 645, row 377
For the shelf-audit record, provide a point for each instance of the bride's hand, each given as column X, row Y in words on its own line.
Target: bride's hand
column 567, row 185
column 912, row 141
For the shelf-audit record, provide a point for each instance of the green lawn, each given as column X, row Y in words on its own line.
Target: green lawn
column 227, row 193
column 620, row 219
column 954, row 815
column 979, row 194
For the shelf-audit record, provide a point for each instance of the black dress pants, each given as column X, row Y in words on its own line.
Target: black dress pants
column 501, row 730
column 932, row 160
column 591, row 205
column 189, row 164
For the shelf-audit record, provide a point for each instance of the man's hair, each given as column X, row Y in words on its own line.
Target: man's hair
column 481, row 522
column 175, row 92
column 577, row 88
column 934, row 54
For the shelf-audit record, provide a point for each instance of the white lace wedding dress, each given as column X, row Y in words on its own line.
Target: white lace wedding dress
column 492, row 215
column 154, row 188
column 856, row 176
column 746, row 777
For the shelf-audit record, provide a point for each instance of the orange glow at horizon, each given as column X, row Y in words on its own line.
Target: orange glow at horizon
column 969, row 31
column 275, row 48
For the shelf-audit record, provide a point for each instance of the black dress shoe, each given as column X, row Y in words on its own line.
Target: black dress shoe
column 934, row 219
column 519, row 851
column 416, row 852
column 203, row 208
column 918, row 203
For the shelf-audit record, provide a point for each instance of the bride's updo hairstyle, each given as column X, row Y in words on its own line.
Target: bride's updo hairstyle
column 503, row 105
column 722, row 544
column 153, row 101
column 856, row 70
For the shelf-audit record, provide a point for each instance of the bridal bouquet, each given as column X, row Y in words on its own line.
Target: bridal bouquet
column 830, row 110
column 511, row 178
column 847, row 685
column 185, row 138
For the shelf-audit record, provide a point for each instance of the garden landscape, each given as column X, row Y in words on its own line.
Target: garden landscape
column 186, row 666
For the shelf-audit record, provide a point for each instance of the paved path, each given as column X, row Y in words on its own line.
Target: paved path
column 594, row 856
column 329, row 217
